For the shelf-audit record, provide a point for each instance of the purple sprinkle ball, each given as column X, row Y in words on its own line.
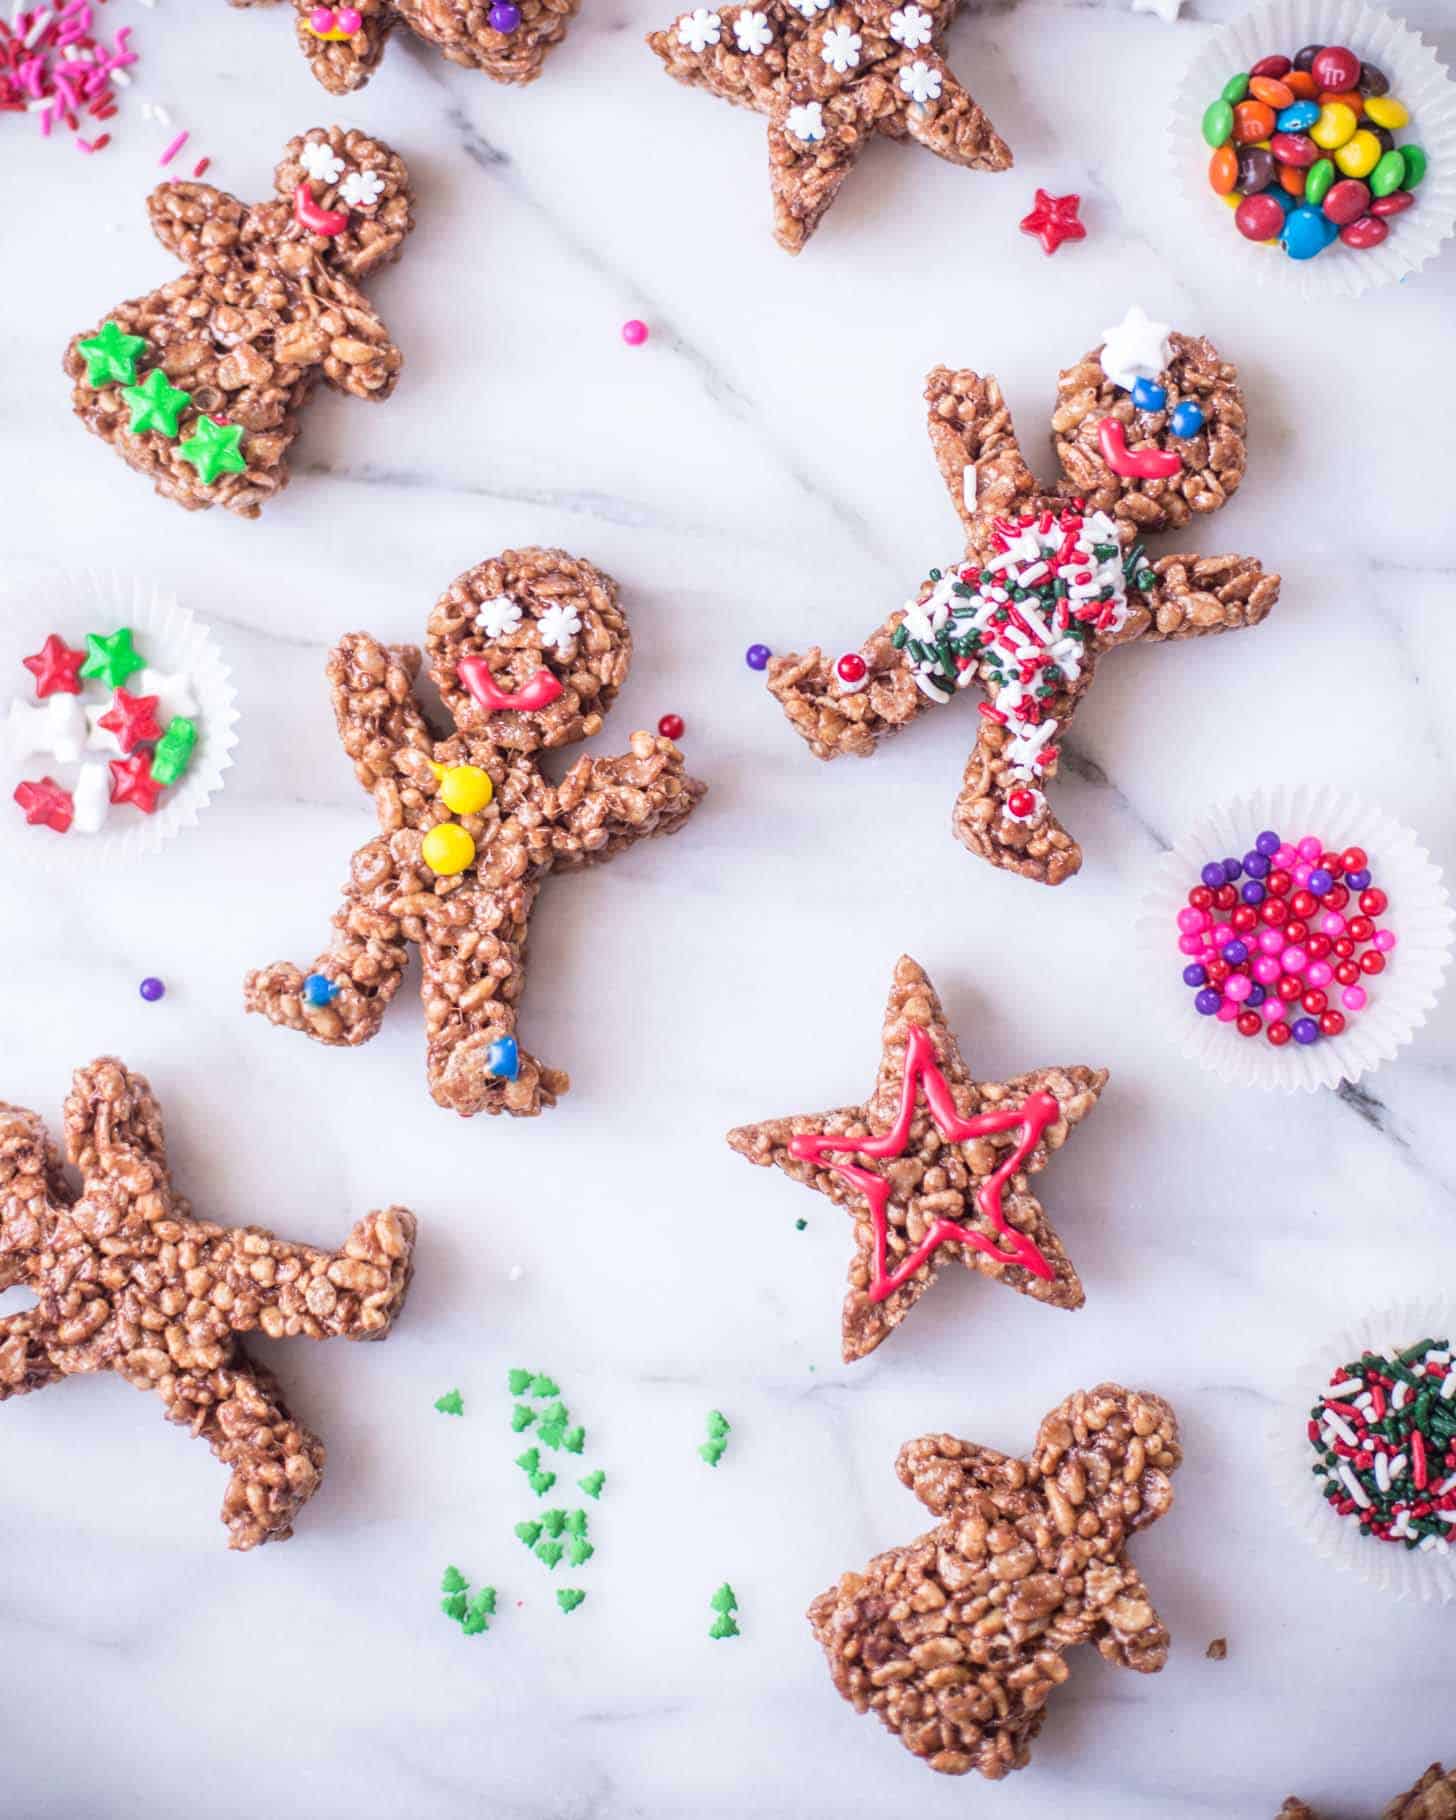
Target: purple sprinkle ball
column 1213, row 875
column 151, row 990
column 757, row 656
column 504, row 17
column 1268, row 843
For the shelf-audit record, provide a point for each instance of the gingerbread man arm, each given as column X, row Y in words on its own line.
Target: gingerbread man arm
column 947, row 1474
column 834, row 721
column 382, row 726
column 114, row 1137
column 196, row 221
column 604, row 805
column 30, row 1191
column 289, row 1290
column 976, row 450
column 362, row 359
column 1197, row 595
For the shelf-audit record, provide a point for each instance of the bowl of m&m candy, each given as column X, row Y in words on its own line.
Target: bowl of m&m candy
column 1302, row 947
column 1327, row 130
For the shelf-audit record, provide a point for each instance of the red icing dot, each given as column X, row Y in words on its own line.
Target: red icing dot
column 1021, row 802
column 671, row 726
column 851, row 668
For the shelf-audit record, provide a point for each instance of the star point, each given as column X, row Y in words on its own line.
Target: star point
column 934, row 1165
column 1054, row 219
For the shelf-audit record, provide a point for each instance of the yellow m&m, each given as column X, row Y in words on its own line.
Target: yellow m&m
column 464, row 789
column 447, row 849
column 1386, row 111
column 1360, row 155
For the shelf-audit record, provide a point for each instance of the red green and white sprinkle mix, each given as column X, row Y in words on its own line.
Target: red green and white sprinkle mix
column 716, row 1445
column 1385, row 1436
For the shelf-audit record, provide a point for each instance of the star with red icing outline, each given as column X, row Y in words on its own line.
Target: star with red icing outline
column 934, row 1165
column 56, row 668
column 132, row 782
column 1054, row 219
column 46, row 804
column 133, row 719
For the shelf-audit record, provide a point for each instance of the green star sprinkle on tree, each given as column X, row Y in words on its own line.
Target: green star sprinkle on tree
column 518, row 1382
column 725, row 1604
column 716, row 1444
column 521, row 1418
column 112, row 659
column 569, row 1597
column 544, row 1387
column 155, row 405
column 530, row 1533
column 451, row 1404
column 111, row 356
column 452, row 1581
column 549, row 1552
column 592, row 1484
column 173, row 753
column 213, row 449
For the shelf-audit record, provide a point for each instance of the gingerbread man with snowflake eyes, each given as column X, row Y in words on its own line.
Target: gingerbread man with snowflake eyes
column 1149, row 430
column 528, row 652
column 199, row 384
column 507, row 39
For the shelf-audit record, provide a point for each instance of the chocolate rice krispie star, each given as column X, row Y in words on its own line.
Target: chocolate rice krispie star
column 508, row 39
column 125, row 1280
column 830, row 78
column 1432, row 1798
column 1149, row 431
column 957, row 1641
column 934, row 1166
column 528, row 651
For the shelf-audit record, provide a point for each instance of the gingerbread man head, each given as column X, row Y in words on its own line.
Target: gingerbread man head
column 528, row 657
column 347, row 201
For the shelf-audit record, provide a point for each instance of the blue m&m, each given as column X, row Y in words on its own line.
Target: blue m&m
column 503, row 1059
column 1187, row 419
column 319, row 990
column 1148, row 395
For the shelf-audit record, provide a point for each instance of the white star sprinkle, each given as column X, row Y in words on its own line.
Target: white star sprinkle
column 1137, row 348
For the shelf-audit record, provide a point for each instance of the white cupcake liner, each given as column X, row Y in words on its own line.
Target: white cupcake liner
column 1417, row 78
column 1407, row 1573
column 1420, row 915
column 171, row 639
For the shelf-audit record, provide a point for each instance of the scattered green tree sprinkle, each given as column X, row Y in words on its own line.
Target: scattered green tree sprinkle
column 574, row 1440
column 549, row 1552
column 518, row 1382
column 529, row 1460
column 530, row 1533
column 553, row 1521
column 451, row 1404
column 579, row 1551
column 521, row 1417
column 569, row 1597
column 725, row 1603
column 484, row 1602
column 799, row 1225
column 716, row 1444
column 469, row 1614
column 712, row 1451
column 473, row 1623
column 452, row 1580
column 576, row 1523
column 454, row 1606
column 541, row 1482
column 542, row 1386
column 718, row 1424
column 592, row 1484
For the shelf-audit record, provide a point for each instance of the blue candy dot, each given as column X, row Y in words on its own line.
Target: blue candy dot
column 757, row 656
column 503, row 1059
column 1148, row 395
column 1195, row 975
column 1268, row 843
column 319, row 989
column 1305, row 1030
column 151, row 990
column 1187, row 419
column 1207, row 1002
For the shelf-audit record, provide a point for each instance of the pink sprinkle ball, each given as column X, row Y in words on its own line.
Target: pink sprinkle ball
column 1319, row 973
column 1191, row 921
column 1354, row 998
column 1301, row 873
column 1273, row 1010
column 1191, row 944
column 1310, row 848
column 1332, row 923
column 1238, row 986
column 1227, row 1011
column 1271, row 941
column 1266, row 970
column 1384, row 940
column 634, row 333
column 1295, row 960
column 1285, row 858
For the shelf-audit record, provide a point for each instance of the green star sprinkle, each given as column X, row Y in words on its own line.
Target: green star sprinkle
column 521, row 1417
column 544, row 1387
column 579, row 1551
column 213, row 449
column 111, row 356
column 173, row 754
column 576, row 1523
column 155, row 405
column 518, row 1382
column 541, row 1482
column 530, row 1533
column 725, row 1603
column 549, row 1552
column 452, row 1580
column 553, row 1521
column 112, row 659
column 574, row 1440
column 454, row 1606
column 451, row 1404
column 569, row 1597
column 592, row 1484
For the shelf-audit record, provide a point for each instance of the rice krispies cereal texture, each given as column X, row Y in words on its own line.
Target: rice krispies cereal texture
column 996, row 495
column 830, row 83
column 956, row 1642
column 1432, row 1798
column 268, row 304
column 555, row 618
column 932, row 1178
column 126, row 1280
column 459, row 29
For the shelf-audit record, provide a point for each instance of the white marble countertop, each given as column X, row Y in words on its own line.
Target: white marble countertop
column 758, row 471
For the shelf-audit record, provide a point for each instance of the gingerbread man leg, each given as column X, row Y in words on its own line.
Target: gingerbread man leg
column 1001, row 816
column 25, row 1360
column 1127, row 1630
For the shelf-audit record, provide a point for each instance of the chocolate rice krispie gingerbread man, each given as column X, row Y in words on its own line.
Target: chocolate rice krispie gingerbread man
column 528, row 651
column 956, row 1641
column 508, row 39
column 125, row 1280
column 200, row 383
column 1149, row 430
column 1432, row 1798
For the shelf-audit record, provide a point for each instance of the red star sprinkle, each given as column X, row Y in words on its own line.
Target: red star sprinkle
column 46, row 804
column 132, row 782
column 133, row 719
column 1053, row 220
column 56, row 668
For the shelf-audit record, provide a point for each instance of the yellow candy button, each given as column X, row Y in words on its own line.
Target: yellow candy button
column 1335, row 126
column 1386, row 111
column 465, row 789
column 447, row 849
column 1360, row 155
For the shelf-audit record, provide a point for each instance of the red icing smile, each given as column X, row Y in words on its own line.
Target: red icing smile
column 540, row 692
column 308, row 214
column 1140, row 464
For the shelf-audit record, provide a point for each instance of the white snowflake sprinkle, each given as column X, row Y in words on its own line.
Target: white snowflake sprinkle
column 362, row 189
column 557, row 626
column 912, row 27
column 807, row 123
column 321, row 161
column 921, row 82
column 498, row 617
column 699, row 28
column 753, row 32
column 840, row 49
column 809, row 8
